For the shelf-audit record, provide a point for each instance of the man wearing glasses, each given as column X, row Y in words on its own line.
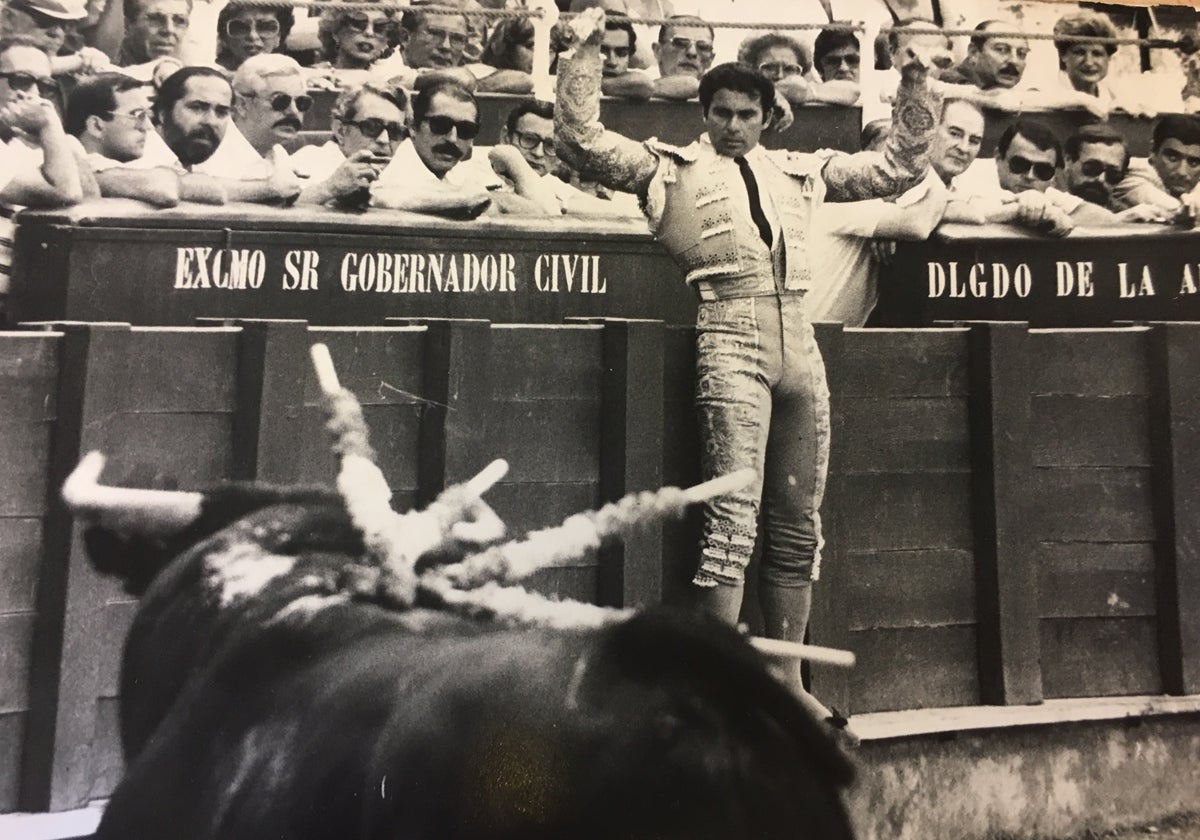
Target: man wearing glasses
column 784, row 60
column 1097, row 161
column 684, row 52
column 37, row 166
column 154, row 30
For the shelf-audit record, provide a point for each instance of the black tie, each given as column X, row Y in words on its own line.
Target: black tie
column 756, row 211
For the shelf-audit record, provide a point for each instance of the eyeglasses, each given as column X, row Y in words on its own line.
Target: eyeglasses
column 780, row 69
column 529, row 142
column 1018, row 165
column 686, row 44
column 372, row 127
column 282, row 101
column 240, row 28
column 1094, row 168
column 381, row 27
column 458, row 40
column 139, row 116
column 21, row 82
column 442, row 125
column 850, row 60
column 614, row 52
column 161, row 20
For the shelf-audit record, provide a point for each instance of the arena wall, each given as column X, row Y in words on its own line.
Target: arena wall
column 1010, row 516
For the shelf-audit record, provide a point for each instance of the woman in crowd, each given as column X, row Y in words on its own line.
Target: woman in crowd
column 243, row 31
column 354, row 39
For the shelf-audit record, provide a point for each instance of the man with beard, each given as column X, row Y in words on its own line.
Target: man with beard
column 191, row 112
column 1168, row 178
column 425, row 169
column 1097, row 161
column 269, row 104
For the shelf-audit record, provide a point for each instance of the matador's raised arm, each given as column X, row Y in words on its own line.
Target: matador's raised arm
column 915, row 116
column 580, row 139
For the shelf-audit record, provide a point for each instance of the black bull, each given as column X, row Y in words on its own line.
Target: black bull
column 260, row 700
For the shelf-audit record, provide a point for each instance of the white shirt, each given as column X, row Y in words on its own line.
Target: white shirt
column 234, row 157
column 15, row 156
column 407, row 170
column 982, row 181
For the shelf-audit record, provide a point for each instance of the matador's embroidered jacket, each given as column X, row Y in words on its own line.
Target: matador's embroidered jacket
column 695, row 199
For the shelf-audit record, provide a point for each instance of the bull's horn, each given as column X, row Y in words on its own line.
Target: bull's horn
column 127, row 508
column 811, row 653
column 719, row 486
column 327, row 376
column 489, row 475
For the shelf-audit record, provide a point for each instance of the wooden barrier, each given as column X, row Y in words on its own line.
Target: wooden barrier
column 1010, row 513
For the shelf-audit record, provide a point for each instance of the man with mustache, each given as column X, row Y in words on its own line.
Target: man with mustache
column 1097, row 161
column 1168, row 178
column 996, row 61
column 192, row 114
column 425, row 174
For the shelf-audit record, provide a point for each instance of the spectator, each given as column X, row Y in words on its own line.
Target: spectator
column 958, row 140
column 433, row 49
column 48, row 23
column 192, row 111
column 993, row 61
column 685, row 52
column 837, row 56
column 355, row 39
column 110, row 117
column 784, row 60
column 1085, row 65
column 510, row 46
column 425, row 168
column 368, row 117
column 1168, row 178
column 154, row 30
column 244, row 31
column 37, row 168
column 616, row 50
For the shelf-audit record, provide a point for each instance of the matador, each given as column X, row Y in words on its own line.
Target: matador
column 736, row 218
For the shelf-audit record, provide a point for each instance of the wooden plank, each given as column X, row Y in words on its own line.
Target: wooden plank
column 547, row 363
column 1099, row 657
column 1175, row 432
column 394, row 435
column 182, row 370
column 927, row 588
column 12, row 744
column 1091, row 505
column 379, row 366
column 23, row 468
column 116, row 616
column 109, row 766
column 1097, row 363
column 898, row 511
column 1080, row 580
column 272, row 367
column 1071, row 431
column 546, row 441
column 16, row 643
column 906, row 363
column 914, row 668
column 57, row 762
column 453, row 443
column 1006, row 591
column 905, row 435
column 173, row 451
column 28, row 376
column 829, row 618
column 20, row 558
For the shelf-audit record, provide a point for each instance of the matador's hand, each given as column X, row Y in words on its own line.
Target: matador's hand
column 921, row 51
column 586, row 28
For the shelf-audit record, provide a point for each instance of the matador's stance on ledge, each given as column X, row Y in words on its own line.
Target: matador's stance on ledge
column 736, row 218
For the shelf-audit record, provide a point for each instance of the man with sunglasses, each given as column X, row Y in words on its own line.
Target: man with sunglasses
column 684, row 51
column 37, row 166
column 1168, row 179
column 784, row 60
column 1097, row 161
column 736, row 218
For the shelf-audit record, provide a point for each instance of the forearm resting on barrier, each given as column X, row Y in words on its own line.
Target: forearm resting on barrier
column 581, row 140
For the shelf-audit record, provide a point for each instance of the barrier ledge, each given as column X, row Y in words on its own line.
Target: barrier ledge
column 79, row 824
column 880, row 726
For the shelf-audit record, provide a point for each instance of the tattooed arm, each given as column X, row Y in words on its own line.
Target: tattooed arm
column 580, row 139
column 915, row 116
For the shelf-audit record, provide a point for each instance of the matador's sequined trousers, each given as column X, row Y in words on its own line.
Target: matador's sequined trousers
column 762, row 401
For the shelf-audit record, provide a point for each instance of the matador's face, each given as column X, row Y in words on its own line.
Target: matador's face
column 735, row 122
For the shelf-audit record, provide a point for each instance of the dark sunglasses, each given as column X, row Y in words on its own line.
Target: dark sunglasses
column 442, row 125
column 281, row 101
column 529, row 142
column 21, row 82
column 850, row 60
column 1018, row 165
column 372, row 127
column 610, row 52
column 361, row 23
column 238, row 28
column 1093, row 169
